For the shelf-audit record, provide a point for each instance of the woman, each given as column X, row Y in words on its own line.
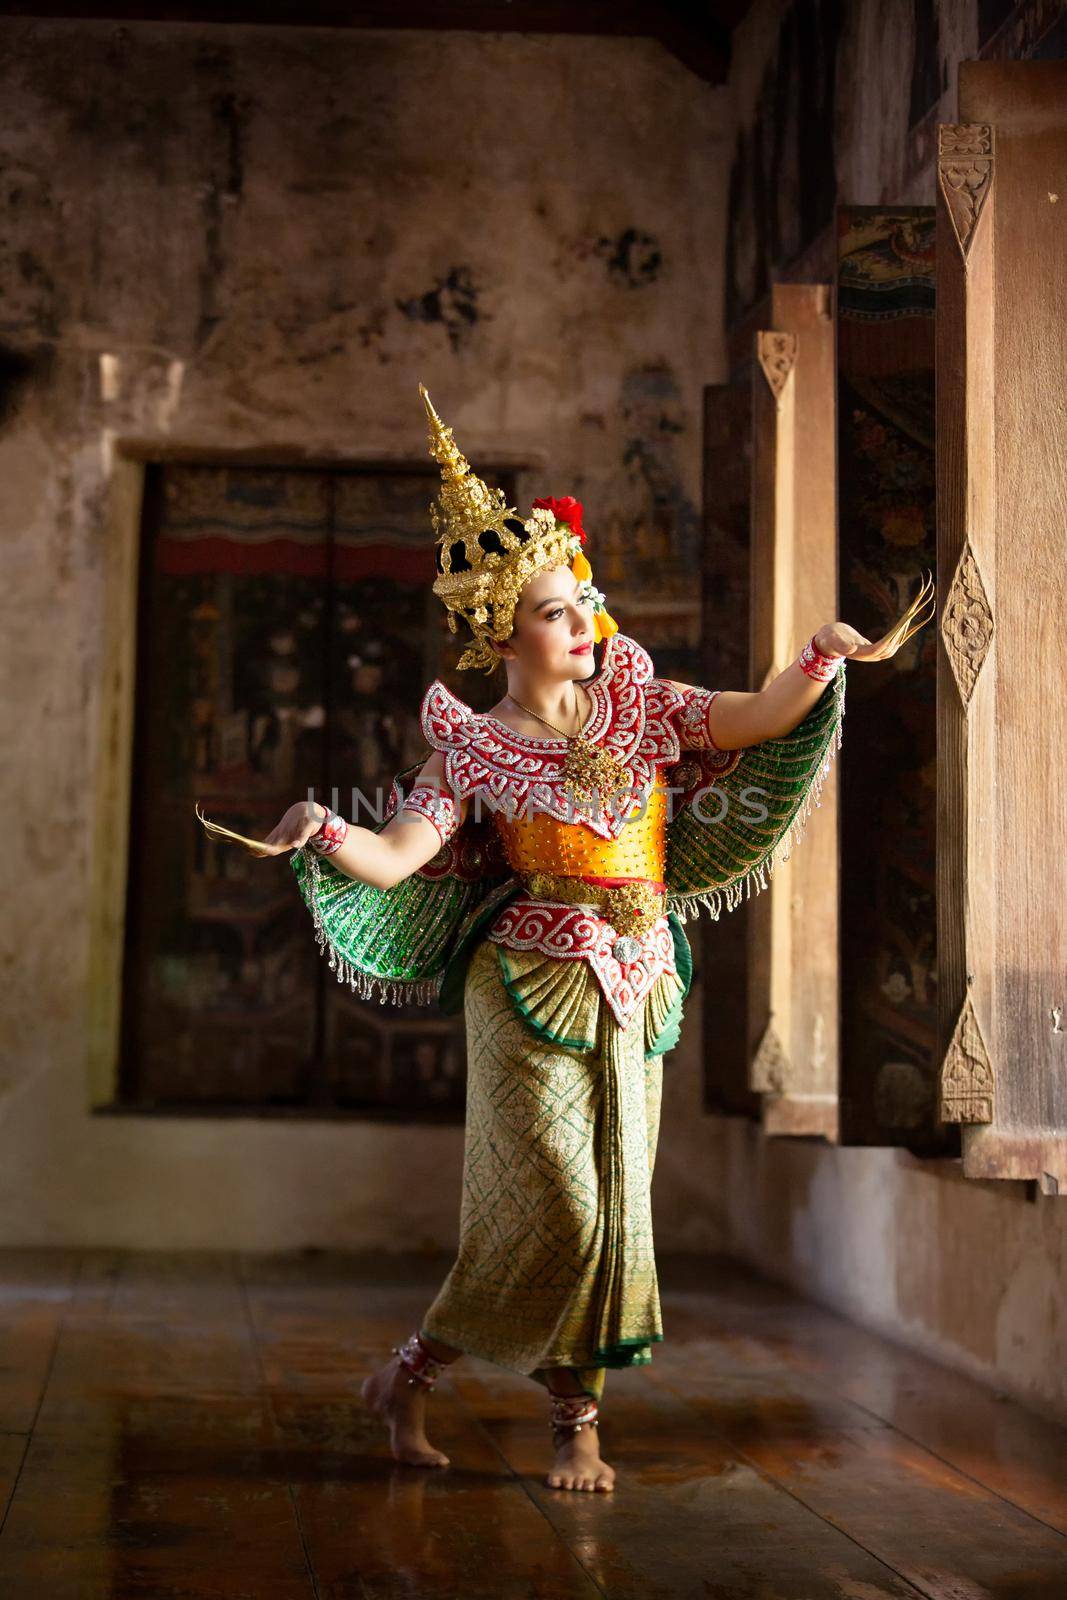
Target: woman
column 555, row 919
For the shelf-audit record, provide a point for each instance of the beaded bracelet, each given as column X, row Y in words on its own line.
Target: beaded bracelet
column 816, row 663
column 427, row 800
column 331, row 835
column 693, row 718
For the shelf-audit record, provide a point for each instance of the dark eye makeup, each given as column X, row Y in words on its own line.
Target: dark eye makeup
column 557, row 611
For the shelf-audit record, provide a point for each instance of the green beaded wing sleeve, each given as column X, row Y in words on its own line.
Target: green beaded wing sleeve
column 394, row 944
column 742, row 811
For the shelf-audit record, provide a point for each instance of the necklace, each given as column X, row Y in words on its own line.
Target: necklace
column 586, row 766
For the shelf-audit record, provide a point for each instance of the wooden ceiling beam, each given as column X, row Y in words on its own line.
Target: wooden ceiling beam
column 699, row 39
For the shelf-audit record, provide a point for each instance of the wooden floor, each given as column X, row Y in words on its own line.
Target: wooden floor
column 189, row 1426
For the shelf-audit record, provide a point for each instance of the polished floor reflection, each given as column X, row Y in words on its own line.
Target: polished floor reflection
column 189, row 1426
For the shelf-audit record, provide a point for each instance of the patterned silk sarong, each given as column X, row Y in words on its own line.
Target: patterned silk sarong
column 555, row 1265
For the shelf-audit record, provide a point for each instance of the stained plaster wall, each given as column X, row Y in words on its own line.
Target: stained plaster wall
column 973, row 1273
column 233, row 239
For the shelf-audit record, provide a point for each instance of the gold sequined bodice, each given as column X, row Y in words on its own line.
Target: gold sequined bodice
column 542, row 843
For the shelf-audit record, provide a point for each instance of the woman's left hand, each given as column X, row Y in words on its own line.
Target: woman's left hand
column 841, row 639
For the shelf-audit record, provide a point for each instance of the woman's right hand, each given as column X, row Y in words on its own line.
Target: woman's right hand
column 299, row 824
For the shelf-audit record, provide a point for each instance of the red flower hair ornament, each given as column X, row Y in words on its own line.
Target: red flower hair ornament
column 568, row 510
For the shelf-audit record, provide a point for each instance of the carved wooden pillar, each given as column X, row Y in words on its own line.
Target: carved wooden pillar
column 966, row 533
column 769, row 929
column 967, row 728
column 773, row 412
column 793, row 998
column 1002, row 704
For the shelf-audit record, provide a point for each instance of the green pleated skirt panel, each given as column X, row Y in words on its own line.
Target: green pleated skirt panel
column 555, row 1266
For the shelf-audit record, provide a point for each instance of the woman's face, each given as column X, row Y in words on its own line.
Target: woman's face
column 552, row 634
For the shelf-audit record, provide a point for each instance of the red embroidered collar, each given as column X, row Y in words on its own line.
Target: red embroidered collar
column 630, row 716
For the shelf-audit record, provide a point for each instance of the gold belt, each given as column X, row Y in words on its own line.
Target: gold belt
column 631, row 908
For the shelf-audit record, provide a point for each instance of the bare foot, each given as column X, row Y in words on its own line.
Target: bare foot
column 578, row 1464
column 402, row 1405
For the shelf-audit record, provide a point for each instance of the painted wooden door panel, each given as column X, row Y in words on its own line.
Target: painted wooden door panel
column 889, row 767
column 287, row 627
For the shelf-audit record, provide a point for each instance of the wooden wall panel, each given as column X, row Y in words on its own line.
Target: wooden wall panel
column 720, row 949
column 1002, row 701
column 793, row 979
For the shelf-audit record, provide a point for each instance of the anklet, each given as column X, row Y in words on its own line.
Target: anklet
column 573, row 1412
column 418, row 1363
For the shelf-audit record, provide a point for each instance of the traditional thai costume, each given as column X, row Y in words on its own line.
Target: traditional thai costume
column 553, row 915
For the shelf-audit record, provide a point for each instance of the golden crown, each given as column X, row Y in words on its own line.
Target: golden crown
column 485, row 551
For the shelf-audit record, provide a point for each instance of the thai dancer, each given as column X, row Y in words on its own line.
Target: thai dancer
column 536, row 871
